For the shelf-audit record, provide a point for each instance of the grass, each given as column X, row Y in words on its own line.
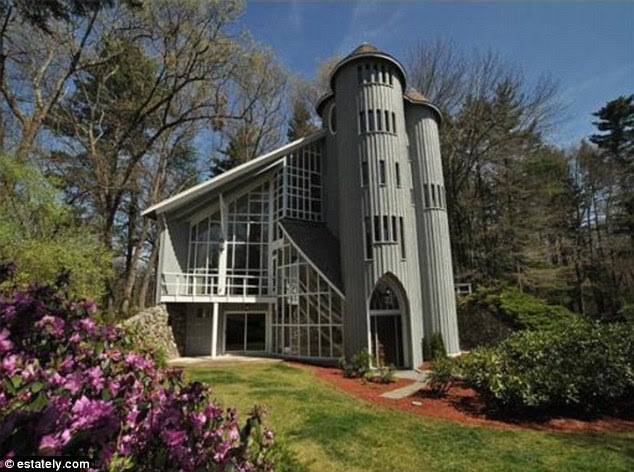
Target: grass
column 332, row 431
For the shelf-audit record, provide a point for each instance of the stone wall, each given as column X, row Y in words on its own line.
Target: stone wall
column 152, row 324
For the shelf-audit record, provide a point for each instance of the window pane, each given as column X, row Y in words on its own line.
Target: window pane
column 324, row 332
column 386, row 229
column 377, row 229
column 402, row 238
column 362, row 127
column 387, row 120
column 379, row 127
column 368, row 238
column 394, row 229
column 397, row 171
column 382, row 178
column 364, row 173
column 337, row 341
column 393, row 122
column 371, row 120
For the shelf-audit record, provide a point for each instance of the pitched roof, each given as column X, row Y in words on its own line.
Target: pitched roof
column 363, row 48
column 319, row 245
column 230, row 175
column 417, row 98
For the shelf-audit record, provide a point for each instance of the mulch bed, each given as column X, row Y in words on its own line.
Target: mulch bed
column 464, row 405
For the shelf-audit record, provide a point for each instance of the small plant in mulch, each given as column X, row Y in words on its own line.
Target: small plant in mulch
column 357, row 367
column 382, row 375
column 442, row 376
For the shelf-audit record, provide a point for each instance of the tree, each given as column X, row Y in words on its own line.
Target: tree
column 300, row 124
column 43, row 236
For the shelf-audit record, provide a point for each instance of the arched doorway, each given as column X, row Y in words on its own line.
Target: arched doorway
column 386, row 325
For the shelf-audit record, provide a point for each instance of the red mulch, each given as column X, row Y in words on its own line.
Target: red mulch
column 463, row 405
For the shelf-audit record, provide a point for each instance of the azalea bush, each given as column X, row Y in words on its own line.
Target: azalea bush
column 577, row 365
column 71, row 386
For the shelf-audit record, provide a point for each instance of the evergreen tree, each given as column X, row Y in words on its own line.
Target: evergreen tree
column 300, row 124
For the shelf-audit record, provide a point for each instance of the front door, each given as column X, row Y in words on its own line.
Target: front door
column 387, row 340
column 199, row 329
column 245, row 332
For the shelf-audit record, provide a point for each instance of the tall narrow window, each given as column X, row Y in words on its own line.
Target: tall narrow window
column 364, row 173
column 393, row 122
column 402, row 237
column 433, row 195
column 383, row 74
column 379, row 126
column 362, row 126
column 359, row 74
column 371, row 120
column 386, row 228
column 368, row 238
column 387, row 120
column 394, row 230
column 391, row 74
column 397, row 172
column 382, row 178
column 366, row 77
column 426, row 196
column 375, row 77
column 377, row 229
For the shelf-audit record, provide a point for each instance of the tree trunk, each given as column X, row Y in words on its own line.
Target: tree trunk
column 152, row 267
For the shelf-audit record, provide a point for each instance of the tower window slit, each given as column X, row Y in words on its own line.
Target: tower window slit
column 382, row 178
column 368, row 238
column 386, row 229
column 359, row 74
column 426, row 196
column 379, row 126
column 387, row 120
column 362, row 124
column 394, row 230
column 377, row 229
column 375, row 77
column 402, row 237
column 364, row 173
column 371, row 120
column 397, row 172
column 433, row 195
column 393, row 122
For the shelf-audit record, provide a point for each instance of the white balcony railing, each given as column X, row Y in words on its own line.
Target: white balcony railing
column 180, row 284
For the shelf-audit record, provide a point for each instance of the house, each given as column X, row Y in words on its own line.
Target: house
column 329, row 245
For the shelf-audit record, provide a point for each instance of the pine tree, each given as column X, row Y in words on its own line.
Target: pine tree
column 300, row 124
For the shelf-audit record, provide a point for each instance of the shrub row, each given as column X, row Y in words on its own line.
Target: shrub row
column 576, row 364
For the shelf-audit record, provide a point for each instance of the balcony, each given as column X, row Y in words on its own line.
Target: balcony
column 212, row 287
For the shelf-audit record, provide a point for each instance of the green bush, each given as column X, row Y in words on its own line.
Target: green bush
column 442, row 376
column 382, row 375
column 434, row 347
column 358, row 366
column 572, row 365
column 490, row 315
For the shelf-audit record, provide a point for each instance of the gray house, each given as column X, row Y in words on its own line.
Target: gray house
column 335, row 243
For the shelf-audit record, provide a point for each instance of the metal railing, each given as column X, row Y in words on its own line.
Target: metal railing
column 181, row 284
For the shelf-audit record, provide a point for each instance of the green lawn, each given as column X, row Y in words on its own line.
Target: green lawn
column 332, row 431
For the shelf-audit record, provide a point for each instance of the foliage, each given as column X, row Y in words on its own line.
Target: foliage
column 300, row 124
column 442, row 375
column 358, row 366
column 43, row 237
column 71, row 386
column 574, row 364
column 380, row 375
column 491, row 314
column 434, row 347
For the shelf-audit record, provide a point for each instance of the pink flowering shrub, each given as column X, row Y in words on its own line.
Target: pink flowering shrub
column 71, row 386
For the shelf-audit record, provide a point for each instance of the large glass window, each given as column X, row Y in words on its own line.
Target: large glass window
column 308, row 320
column 204, row 254
column 247, row 243
column 298, row 192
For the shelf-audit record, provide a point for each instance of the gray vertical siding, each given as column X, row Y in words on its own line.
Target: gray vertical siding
column 438, row 296
column 355, row 202
column 331, row 171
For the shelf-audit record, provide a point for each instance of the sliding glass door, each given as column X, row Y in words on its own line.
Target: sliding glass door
column 245, row 332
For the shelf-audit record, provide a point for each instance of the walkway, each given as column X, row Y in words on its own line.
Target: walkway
column 419, row 378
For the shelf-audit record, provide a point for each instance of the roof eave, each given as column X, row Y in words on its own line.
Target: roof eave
column 228, row 176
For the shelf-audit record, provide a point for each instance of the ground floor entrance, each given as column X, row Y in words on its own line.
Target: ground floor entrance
column 245, row 332
column 214, row 329
column 386, row 326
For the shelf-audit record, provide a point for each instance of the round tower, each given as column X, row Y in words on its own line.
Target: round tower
column 434, row 250
column 377, row 221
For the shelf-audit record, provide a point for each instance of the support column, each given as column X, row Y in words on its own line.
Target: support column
column 214, row 330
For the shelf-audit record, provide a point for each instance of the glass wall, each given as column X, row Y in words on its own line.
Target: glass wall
column 248, row 243
column 246, row 247
column 308, row 318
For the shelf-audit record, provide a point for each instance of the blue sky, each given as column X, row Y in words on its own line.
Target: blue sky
column 587, row 47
